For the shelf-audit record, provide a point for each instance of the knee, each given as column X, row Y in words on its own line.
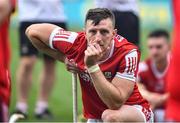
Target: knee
column 49, row 65
column 27, row 63
column 109, row 116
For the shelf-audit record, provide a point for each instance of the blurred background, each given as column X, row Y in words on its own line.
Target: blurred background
column 153, row 14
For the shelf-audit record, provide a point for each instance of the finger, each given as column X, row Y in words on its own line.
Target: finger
column 73, row 70
column 93, row 50
column 97, row 46
column 72, row 67
column 87, row 53
column 71, row 62
column 90, row 50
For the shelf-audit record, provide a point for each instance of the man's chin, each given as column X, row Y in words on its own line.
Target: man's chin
column 104, row 48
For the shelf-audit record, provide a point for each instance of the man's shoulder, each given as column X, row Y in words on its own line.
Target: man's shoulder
column 80, row 41
column 123, row 43
column 124, row 48
column 80, row 37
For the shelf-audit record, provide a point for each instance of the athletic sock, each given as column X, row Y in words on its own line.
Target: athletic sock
column 41, row 106
column 22, row 106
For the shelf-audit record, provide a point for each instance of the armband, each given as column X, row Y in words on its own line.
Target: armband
column 93, row 68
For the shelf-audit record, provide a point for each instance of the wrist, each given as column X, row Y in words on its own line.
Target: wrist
column 93, row 68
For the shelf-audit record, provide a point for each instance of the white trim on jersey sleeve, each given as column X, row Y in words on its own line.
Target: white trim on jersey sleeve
column 61, row 35
column 131, row 65
column 53, row 33
column 71, row 38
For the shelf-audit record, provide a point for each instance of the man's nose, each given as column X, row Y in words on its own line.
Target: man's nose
column 154, row 51
column 98, row 37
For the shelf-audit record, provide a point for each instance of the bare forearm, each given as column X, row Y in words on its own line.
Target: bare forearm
column 145, row 93
column 107, row 91
column 155, row 99
column 40, row 39
column 113, row 93
column 47, row 50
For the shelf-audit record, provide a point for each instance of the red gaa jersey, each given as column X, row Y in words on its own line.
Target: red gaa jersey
column 122, row 62
column 151, row 78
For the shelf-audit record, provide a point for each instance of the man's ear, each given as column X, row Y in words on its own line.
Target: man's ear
column 115, row 32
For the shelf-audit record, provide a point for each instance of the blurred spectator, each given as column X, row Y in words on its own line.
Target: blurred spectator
column 126, row 16
column 30, row 12
column 173, row 85
column 6, row 7
column 153, row 72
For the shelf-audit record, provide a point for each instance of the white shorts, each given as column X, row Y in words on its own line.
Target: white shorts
column 146, row 115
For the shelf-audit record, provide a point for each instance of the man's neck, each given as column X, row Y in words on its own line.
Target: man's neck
column 161, row 65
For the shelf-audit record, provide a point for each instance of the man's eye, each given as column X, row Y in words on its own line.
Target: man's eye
column 150, row 47
column 103, row 32
column 156, row 47
column 159, row 46
column 92, row 31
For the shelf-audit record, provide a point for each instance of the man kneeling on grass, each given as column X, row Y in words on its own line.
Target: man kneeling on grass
column 106, row 64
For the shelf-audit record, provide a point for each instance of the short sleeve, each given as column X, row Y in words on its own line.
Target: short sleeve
column 62, row 40
column 129, row 66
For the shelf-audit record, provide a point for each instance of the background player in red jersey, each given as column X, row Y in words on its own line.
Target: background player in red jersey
column 6, row 7
column 173, row 86
column 107, row 64
column 152, row 72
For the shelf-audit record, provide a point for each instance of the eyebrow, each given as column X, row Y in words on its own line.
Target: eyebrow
column 103, row 29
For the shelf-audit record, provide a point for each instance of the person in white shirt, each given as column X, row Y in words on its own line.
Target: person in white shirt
column 30, row 12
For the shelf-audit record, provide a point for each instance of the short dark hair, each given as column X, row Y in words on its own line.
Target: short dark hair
column 159, row 33
column 98, row 14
